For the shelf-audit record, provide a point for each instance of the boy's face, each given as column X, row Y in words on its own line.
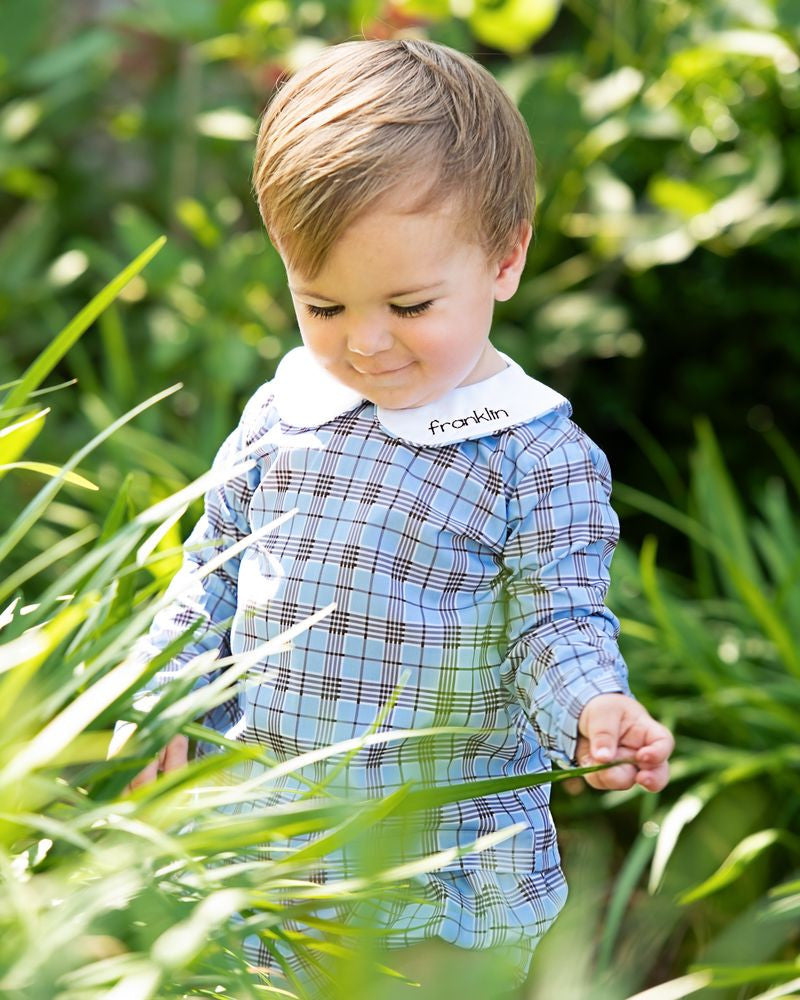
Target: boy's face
column 402, row 308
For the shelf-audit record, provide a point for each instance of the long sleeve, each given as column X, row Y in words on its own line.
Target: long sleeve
column 563, row 648
column 210, row 599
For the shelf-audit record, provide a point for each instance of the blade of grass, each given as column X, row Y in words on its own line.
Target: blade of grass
column 45, row 469
column 676, row 989
column 61, row 343
column 719, row 505
column 724, row 977
column 625, row 885
column 736, row 862
column 52, row 739
column 31, row 514
column 787, row 455
column 15, row 439
column 120, row 369
column 46, row 559
column 786, row 990
column 659, row 457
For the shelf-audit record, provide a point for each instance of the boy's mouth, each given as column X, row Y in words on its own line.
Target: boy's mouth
column 385, row 371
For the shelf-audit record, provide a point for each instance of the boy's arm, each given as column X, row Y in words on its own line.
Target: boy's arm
column 563, row 647
column 209, row 600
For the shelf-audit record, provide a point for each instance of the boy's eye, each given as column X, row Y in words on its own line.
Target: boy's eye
column 414, row 310
column 320, row 312
column 328, row 312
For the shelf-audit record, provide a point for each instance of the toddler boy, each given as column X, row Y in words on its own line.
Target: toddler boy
column 445, row 503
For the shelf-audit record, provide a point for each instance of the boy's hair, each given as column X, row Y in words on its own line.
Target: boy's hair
column 366, row 117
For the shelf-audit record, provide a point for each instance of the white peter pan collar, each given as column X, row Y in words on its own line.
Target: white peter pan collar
column 307, row 396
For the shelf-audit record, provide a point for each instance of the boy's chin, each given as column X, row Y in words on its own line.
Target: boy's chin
column 392, row 400
column 399, row 398
column 394, row 391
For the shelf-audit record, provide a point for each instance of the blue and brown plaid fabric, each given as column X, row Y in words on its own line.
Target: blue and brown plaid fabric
column 471, row 575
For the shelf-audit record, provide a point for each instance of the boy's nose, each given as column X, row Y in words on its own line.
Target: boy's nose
column 368, row 338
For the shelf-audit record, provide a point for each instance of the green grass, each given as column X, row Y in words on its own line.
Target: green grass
column 114, row 895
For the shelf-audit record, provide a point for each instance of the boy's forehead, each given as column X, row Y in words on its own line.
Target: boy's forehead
column 410, row 246
column 311, row 290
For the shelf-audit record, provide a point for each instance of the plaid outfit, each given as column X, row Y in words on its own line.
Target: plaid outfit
column 466, row 546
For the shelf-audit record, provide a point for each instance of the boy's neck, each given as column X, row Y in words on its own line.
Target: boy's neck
column 490, row 363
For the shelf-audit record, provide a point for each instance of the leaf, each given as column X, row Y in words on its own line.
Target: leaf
column 46, row 559
column 37, row 506
column 14, row 440
column 21, row 658
column 513, row 25
column 50, row 470
column 787, row 455
column 675, row 989
column 64, row 340
column 25, row 245
column 31, row 648
column 742, row 768
column 624, row 888
column 52, row 740
column 434, row 9
column 25, row 27
column 363, row 819
column 227, row 123
column 181, row 942
column 612, row 92
column 735, row 864
column 726, row 976
column 681, row 632
column 182, row 20
column 74, row 57
column 116, row 516
column 679, row 196
column 786, row 990
column 757, row 45
column 682, row 812
column 431, row 798
column 763, row 609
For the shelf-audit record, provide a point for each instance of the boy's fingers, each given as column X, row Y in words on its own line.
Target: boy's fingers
column 654, row 779
column 658, row 748
column 624, row 775
column 146, row 775
column 603, row 742
column 175, row 754
column 613, row 779
column 609, row 720
column 613, row 729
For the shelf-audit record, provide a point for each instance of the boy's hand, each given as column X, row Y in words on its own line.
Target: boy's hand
column 616, row 727
column 174, row 755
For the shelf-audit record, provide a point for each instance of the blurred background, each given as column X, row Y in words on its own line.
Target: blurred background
column 661, row 296
column 663, row 283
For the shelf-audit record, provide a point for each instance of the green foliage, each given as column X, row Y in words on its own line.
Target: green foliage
column 666, row 137
column 156, row 890
column 667, row 143
column 150, row 895
column 715, row 656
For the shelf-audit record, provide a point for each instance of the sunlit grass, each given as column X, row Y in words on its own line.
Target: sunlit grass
column 690, row 893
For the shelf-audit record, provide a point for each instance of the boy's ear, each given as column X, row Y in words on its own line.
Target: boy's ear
column 509, row 269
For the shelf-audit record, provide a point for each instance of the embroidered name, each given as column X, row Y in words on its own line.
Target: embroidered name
column 475, row 417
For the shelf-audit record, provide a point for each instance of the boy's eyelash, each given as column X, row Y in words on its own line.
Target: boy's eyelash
column 328, row 312
column 415, row 310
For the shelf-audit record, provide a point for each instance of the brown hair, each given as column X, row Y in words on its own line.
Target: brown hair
column 365, row 117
